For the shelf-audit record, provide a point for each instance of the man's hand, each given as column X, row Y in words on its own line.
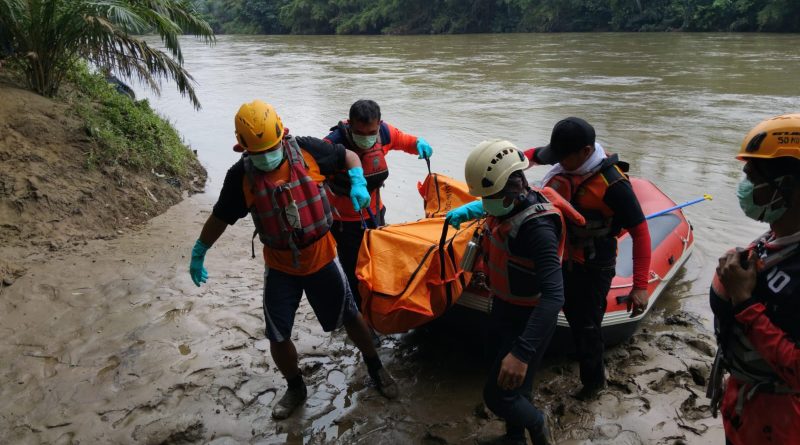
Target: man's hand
column 738, row 281
column 424, row 149
column 512, row 373
column 359, row 194
column 637, row 302
column 466, row 212
column 198, row 273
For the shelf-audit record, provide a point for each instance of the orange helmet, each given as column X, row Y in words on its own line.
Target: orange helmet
column 258, row 126
column 776, row 137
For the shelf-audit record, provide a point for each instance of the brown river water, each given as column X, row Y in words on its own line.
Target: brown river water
column 114, row 344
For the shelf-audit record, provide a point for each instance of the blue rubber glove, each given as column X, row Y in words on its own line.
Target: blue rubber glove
column 424, row 148
column 358, row 189
column 196, row 270
column 467, row 212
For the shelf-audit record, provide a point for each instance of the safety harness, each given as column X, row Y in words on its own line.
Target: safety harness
column 498, row 257
column 736, row 354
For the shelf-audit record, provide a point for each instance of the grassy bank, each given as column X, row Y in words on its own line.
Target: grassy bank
column 127, row 132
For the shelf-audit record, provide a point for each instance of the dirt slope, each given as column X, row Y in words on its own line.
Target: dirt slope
column 50, row 200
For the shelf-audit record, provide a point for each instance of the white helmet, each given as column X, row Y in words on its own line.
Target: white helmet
column 490, row 164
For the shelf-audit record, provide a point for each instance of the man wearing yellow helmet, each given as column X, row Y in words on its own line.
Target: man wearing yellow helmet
column 522, row 244
column 278, row 181
column 755, row 296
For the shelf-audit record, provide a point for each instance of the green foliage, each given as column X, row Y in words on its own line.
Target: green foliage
column 127, row 132
column 49, row 36
column 472, row 16
column 243, row 16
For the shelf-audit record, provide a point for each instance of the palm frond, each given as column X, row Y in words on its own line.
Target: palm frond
column 48, row 35
column 132, row 57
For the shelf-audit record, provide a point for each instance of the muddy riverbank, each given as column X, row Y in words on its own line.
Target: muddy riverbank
column 114, row 344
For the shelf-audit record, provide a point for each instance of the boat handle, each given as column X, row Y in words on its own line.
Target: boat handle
column 653, row 277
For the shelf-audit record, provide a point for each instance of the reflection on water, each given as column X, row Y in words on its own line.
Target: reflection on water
column 676, row 106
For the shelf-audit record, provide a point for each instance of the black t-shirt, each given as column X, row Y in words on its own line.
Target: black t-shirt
column 621, row 199
column 231, row 204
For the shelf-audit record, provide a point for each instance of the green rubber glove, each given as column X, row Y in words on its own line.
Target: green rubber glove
column 467, row 212
column 196, row 270
column 358, row 189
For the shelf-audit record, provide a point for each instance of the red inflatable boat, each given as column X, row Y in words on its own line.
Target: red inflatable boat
column 671, row 240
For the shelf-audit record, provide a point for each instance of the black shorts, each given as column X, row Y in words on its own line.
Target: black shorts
column 326, row 290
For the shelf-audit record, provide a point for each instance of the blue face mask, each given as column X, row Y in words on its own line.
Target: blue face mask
column 495, row 206
column 365, row 142
column 267, row 161
column 764, row 212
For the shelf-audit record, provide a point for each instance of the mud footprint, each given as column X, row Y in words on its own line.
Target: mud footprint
column 691, row 411
column 174, row 314
column 170, row 431
column 702, row 347
column 47, row 291
column 669, row 342
column 113, row 364
column 669, row 381
column 267, row 397
column 229, row 400
column 608, row 431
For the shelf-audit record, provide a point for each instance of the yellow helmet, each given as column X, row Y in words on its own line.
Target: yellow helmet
column 490, row 164
column 776, row 137
column 258, row 126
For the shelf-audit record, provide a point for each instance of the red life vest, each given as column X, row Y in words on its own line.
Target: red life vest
column 498, row 257
column 373, row 161
column 291, row 213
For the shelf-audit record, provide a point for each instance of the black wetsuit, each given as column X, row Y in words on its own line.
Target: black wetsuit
column 525, row 331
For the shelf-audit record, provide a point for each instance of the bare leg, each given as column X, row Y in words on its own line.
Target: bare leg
column 285, row 356
column 359, row 333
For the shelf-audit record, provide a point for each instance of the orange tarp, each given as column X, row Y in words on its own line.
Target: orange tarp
column 407, row 277
column 442, row 193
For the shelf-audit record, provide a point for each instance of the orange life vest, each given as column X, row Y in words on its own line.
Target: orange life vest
column 498, row 257
column 288, row 214
column 586, row 194
column 373, row 162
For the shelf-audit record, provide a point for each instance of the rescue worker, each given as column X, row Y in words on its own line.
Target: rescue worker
column 596, row 185
column 523, row 239
column 278, row 181
column 755, row 296
column 371, row 139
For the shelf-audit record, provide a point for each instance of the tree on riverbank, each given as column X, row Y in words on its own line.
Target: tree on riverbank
column 47, row 37
column 473, row 16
